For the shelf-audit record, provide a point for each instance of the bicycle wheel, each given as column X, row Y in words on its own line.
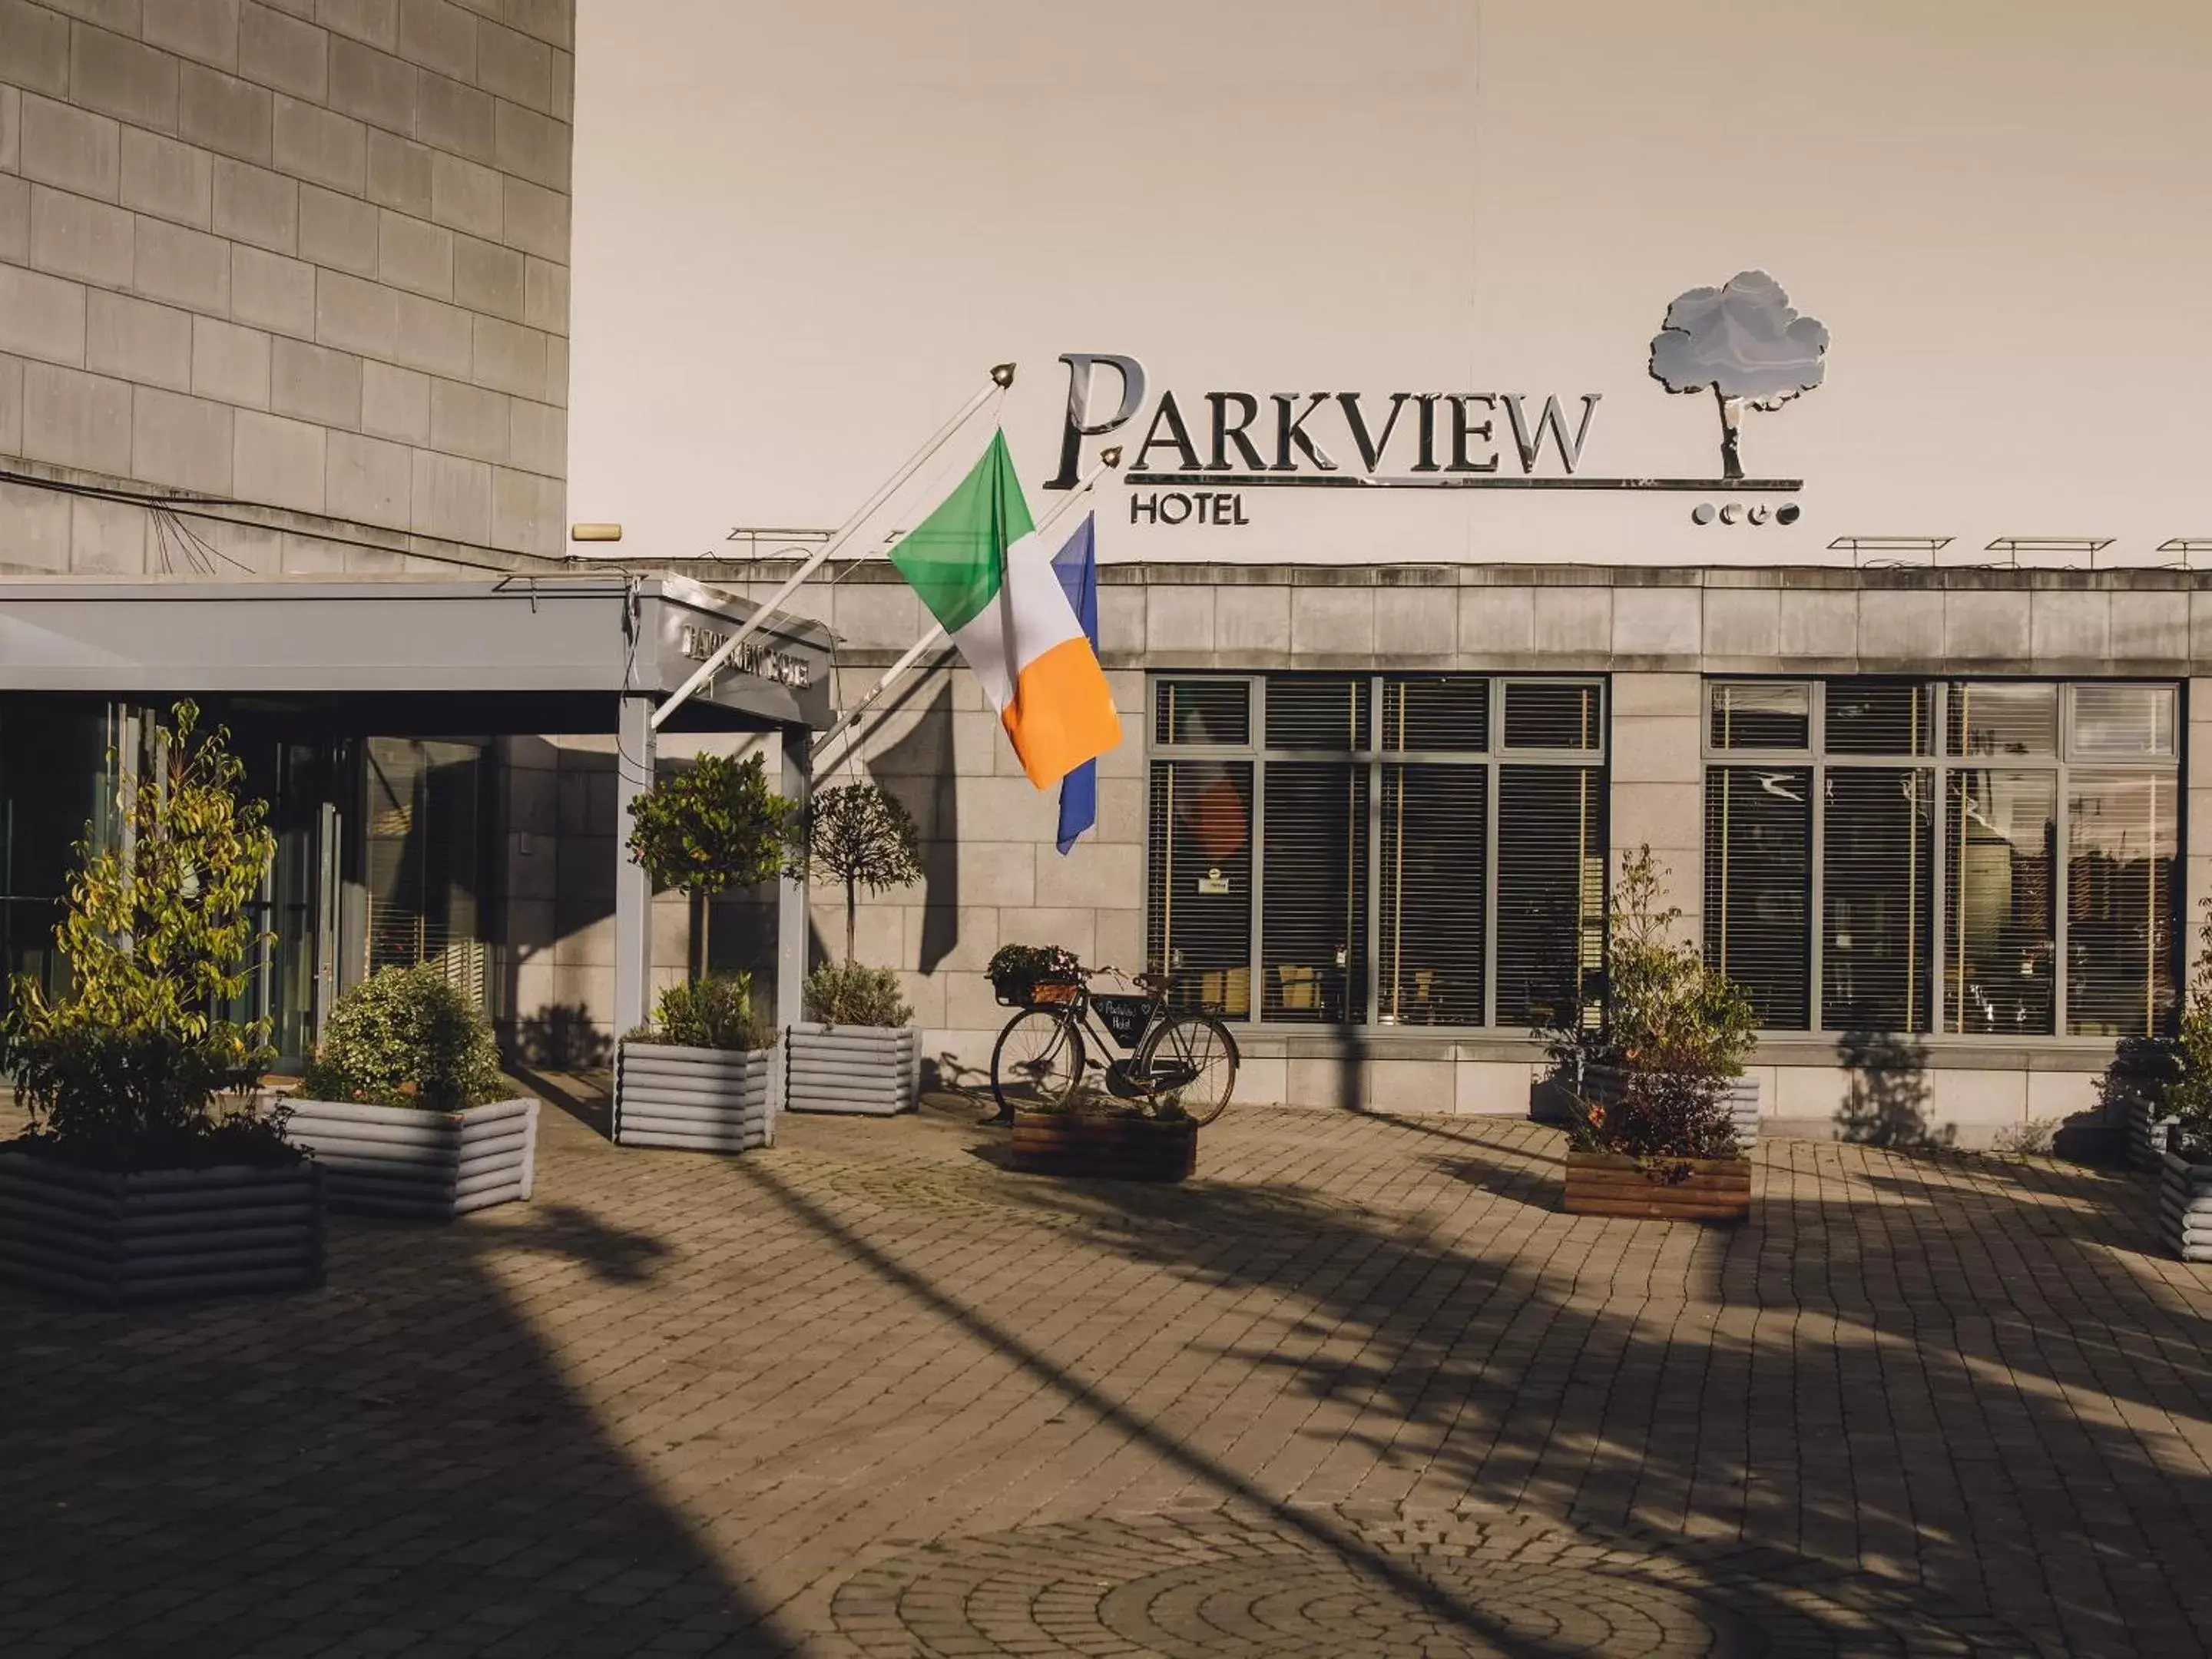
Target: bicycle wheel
column 1191, row 1060
column 1037, row 1063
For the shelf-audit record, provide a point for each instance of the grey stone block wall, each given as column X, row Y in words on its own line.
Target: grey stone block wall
column 312, row 254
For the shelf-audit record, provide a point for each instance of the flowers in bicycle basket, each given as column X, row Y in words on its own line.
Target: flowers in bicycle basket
column 1023, row 976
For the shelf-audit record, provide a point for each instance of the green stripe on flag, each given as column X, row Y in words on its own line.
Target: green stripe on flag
column 956, row 558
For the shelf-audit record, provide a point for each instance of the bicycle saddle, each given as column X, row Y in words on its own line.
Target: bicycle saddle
column 1160, row 982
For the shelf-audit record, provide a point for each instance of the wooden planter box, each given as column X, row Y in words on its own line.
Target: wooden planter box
column 868, row 1069
column 1117, row 1146
column 698, row 1100
column 156, row 1234
column 398, row 1160
column 1603, row 1084
column 1607, row 1183
column 2184, row 1206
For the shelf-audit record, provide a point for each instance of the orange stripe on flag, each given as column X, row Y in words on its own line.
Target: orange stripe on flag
column 1062, row 713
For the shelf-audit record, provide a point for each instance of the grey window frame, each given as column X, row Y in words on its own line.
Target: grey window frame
column 1494, row 755
column 2061, row 763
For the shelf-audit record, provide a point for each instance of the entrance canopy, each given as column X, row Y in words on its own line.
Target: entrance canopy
column 564, row 647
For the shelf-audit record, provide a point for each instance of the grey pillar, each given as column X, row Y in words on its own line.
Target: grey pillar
column 633, row 889
column 790, row 917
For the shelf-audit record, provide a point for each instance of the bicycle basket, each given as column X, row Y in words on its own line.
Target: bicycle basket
column 1052, row 993
column 1124, row 1017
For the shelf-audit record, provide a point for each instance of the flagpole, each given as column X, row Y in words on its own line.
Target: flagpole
column 1107, row 459
column 1002, row 376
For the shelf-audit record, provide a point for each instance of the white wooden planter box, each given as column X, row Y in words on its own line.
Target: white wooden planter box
column 873, row 1070
column 1603, row 1084
column 156, row 1234
column 2184, row 1206
column 701, row 1100
column 400, row 1160
column 2146, row 1136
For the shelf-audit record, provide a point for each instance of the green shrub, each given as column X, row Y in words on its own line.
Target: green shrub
column 123, row 1071
column 716, row 1012
column 846, row 993
column 406, row 1036
column 2188, row 1094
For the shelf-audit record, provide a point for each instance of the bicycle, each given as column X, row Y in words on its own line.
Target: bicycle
column 1184, row 1059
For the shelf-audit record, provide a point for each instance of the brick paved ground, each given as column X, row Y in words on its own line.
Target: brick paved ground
column 1360, row 1390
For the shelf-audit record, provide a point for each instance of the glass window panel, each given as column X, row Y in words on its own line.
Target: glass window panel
column 1878, row 897
column 1880, row 717
column 1197, row 921
column 1553, row 714
column 1754, row 716
column 1448, row 712
column 2001, row 834
column 1435, row 820
column 425, row 858
column 1551, row 894
column 2123, row 722
column 1313, row 906
column 56, row 788
column 1312, row 712
column 1993, row 718
column 2121, row 903
column 1758, row 864
column 1217, row 711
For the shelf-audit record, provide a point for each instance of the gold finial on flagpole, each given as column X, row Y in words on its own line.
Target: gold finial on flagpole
column 1002, row 375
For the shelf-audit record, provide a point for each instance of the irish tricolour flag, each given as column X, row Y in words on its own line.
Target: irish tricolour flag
column 983, row 573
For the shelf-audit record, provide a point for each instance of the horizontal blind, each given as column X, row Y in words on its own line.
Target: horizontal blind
column 1317, row 712
column 1209, row 711
column 1880, row 717
column 2120, row 891
column 2000, row 717
column 1752, row 714
column 1313, row 910
column 1878, row 898
column 2001, row 834
column 1435, row 823
column 1758, row 875
column 1551, row 893
column 1554, row 714
column 1198, row 917
column 1436, row 714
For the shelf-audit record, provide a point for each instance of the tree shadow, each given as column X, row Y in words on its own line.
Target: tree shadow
column 1887, row 1101
column 396, row 1462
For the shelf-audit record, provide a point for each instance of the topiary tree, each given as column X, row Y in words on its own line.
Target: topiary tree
column 125, row 1066
column 860, row 835
column 711, row 828
column 406, row 1036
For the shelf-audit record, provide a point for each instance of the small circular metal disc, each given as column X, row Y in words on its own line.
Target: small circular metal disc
column 1702, row 512
column 1787, row 512
column 1757, row 514
column 1732, row 514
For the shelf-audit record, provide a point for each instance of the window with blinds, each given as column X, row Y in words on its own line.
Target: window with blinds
column 2017, row 878
column 1405, row 876
column 1758, row 864
column 1198, row 923
column 426, row 858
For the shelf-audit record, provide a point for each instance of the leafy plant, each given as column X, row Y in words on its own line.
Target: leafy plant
column 715, row 1012
column 860, row 834
column 123, row 1069
column 1016, row 970
column 1676, row 1029
column 406, row 1036
column 847, row 994
column 714, row 826
column 2187, row 1095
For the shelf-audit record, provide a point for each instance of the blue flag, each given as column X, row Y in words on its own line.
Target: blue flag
column 1077, row 567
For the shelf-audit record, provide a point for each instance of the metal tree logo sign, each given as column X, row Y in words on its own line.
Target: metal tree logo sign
column 1745, row 342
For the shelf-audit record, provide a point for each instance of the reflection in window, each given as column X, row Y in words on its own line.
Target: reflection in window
column 2120, row 876
column 1997, row 900
column 1198, row 923
column 1880, row 717
column 1313, row 912
column 1758, row 864
column 2123, row 722
column 1551, row 894
column 1878, row 898
column 1751, row 715
column 2001, row 718
column 1202, row 712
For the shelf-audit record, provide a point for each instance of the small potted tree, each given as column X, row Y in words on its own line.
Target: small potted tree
column 2183, row 1119
column 856, row 1051
column 1656, row 1133
column 696, row 1078
column 711, row 828
column 404, row 1107
column 146, row 1172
